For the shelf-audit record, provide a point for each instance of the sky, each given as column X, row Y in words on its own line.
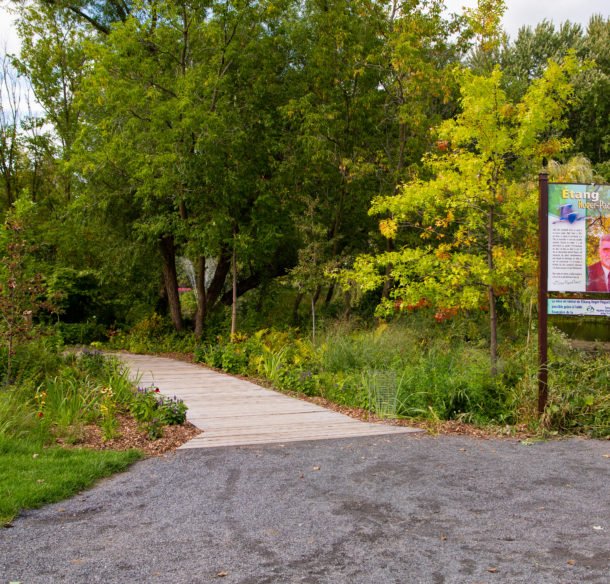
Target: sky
column 530, row 12
column 518, row 14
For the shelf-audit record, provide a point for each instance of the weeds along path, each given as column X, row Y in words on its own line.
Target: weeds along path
column 234, row 412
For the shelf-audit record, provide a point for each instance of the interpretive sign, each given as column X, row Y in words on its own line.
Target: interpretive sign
column 578, row 238
column 579, row 307
column 574, row 243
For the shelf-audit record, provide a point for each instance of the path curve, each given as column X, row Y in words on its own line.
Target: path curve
column 234, row 412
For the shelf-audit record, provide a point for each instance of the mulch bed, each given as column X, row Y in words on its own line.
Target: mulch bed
column 129, row 436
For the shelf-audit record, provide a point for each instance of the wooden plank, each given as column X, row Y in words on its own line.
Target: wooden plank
column 234, row 412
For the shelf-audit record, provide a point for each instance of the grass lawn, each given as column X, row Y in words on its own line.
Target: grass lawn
column 32, row 476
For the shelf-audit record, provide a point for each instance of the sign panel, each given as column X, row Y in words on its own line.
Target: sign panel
column 579, row 307
column 579, row 238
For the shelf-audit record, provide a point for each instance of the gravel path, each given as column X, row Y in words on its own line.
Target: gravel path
column 390, row 509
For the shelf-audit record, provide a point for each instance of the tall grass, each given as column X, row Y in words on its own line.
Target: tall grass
column 56, row 402
column 443, row 372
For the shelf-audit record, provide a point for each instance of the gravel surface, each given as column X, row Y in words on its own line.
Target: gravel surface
column 396, row 509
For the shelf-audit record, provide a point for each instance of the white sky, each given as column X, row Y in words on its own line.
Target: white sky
column 530, row 12
column 518, row 13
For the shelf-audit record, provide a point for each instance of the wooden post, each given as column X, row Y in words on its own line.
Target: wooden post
column 543, row 245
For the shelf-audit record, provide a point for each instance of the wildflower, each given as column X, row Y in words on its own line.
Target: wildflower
column 157, row 390
column 40, row 414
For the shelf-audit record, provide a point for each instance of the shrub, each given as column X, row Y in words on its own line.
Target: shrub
column 154, row 410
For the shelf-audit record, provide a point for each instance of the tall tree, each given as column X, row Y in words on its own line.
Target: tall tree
column 180, row 129
column 53, row 59
column 332, row 119
column 474, row 215
column 11, row 140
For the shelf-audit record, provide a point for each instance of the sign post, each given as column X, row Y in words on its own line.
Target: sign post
column 543, row 272
column 574, row 243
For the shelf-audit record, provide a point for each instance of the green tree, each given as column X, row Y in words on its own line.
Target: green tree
column 11, row 139
column 180, row 129
column 525, row 59
column 475, row 216
column 21, row 291
column 589, row 124
column 332, row 118
column 52, row 57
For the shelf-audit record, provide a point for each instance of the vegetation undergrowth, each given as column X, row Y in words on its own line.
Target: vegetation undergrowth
column 50, row 397
column 434, row 371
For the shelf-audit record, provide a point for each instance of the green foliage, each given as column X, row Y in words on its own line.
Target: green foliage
column 21, row 293
column 578, row 389
column 441, row 372
column 77, row 293
column 78, row 390
column 154, row 411
column 475, row 217
column 17, row 419
column 153, row 334
column 32, row 362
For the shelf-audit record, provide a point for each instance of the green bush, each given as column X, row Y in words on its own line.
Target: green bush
column 76, row 293
column 82, row 333
column 298, row 380
column 32, row 361
column 153, row 334
column 154, row 410
column 210, row 354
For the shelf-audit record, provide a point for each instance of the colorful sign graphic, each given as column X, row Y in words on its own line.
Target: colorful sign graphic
column 579, row 238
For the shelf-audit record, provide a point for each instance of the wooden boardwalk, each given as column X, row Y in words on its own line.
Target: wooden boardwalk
column 233, row 412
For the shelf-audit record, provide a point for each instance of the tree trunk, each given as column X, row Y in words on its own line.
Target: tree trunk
column 220, row 275
column 348, row 304
column 387, row 284
column 170, row 280
column 234, row 303
column 313, row 318
column 201, row 297
column 329, row 294
column 295, row 308
column 493, row 319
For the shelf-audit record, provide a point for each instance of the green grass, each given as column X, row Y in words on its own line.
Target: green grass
column 32, row 476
